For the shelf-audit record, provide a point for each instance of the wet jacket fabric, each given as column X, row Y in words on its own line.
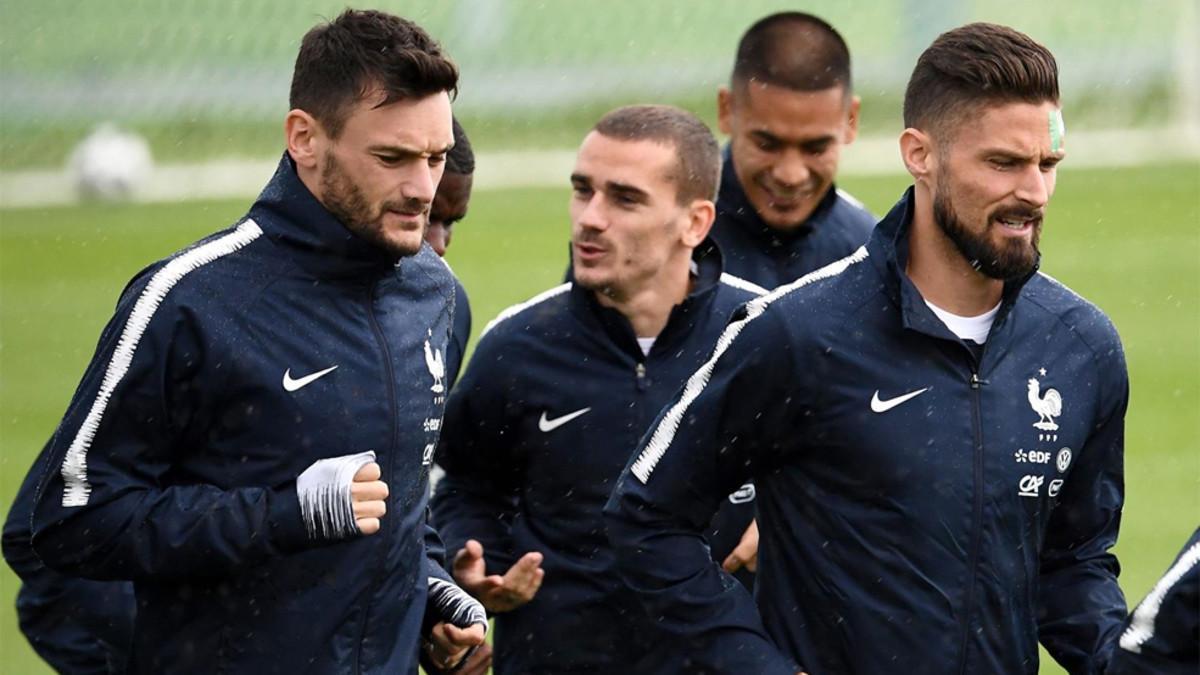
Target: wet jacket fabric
column 228, row 370
column 920, row 509
column 79, row 625
column 460, row 334
column 1162, row 635
column 770, row 257
column 75, row 625
column 555, row 398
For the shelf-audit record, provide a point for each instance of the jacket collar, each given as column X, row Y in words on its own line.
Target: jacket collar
column 733, row 203
column 293, row 218
column 888, row 249
column 684, row 316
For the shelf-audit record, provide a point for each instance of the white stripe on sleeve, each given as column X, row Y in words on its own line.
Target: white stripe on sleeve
column 518, row 308
column 1141, row 627
column 664, row 433
column 454, row 605
column 738, row 282
column 74, row 467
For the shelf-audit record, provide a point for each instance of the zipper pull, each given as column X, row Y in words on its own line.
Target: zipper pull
column 640, row 370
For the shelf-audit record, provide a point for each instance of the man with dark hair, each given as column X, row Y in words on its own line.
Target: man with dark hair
column 80, row 625
column 934, row 427
column 251, row 441
column 450, row 206
column 788, row 111
column 453, row 194
column 562, row 386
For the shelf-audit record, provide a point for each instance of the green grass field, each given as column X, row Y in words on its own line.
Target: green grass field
column 1129, row 240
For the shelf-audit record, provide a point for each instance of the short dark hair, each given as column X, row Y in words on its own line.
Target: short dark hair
column 698, row 157
column 342, row 60
column 975, row 65
column 461, row 158
column 793, row 50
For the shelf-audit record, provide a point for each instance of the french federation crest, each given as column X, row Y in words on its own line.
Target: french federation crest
column 437, row 367
column 1047, row 405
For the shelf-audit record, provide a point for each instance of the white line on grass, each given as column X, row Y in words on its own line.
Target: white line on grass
column 231, row 178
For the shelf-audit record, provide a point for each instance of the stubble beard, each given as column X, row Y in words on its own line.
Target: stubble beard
column 347, row 203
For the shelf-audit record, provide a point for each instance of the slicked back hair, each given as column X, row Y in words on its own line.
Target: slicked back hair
column 793, row 50
column 972, row 66
column 461, row 158
column 343, row 60
column 697, row 171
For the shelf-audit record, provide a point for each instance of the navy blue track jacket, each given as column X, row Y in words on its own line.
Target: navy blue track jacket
column 770, row 257
column 920, row 511
column 83, row 626
column 175, row 464
column 78, row 626
column 555, row 398
column 1162, row 635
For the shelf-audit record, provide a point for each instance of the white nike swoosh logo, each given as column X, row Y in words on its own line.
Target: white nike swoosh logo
column 292, row 385
column 884, row 406
column 548, row 425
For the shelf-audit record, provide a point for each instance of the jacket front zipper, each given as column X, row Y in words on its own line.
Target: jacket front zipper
column 976, row 514
column 393, row 412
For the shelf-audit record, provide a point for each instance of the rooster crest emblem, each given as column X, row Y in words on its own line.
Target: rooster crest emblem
column 1047, row 406
column 437, row 367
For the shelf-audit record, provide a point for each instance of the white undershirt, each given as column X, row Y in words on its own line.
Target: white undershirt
column 973, row 328
column 646, row 344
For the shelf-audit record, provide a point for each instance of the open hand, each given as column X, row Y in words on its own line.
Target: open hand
column 498, row 593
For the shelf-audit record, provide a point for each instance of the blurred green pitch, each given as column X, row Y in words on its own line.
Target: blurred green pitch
column 1128, row 240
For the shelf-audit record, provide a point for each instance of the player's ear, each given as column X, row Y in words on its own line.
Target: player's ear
column 852, row 121
column 701, row 213
column 725, row 110
column 916, row 149
column 303, row 134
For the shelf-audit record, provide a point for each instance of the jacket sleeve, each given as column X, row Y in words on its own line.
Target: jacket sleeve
column 720, row 430
column 445, row 601
column 1162, row 635
column 1080, row 605
column 75, row 625
column 106, row 506
column 477, row 498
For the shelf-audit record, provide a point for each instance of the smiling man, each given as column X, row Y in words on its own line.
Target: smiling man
column 561, row 388
column 251, row 442
column 935, row 428
column 789, row 110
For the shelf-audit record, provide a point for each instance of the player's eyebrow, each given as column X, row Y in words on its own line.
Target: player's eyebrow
column 1017, row 155
column 767, row 136
column 626, row 190
column 807, row 143
column 405, row 150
